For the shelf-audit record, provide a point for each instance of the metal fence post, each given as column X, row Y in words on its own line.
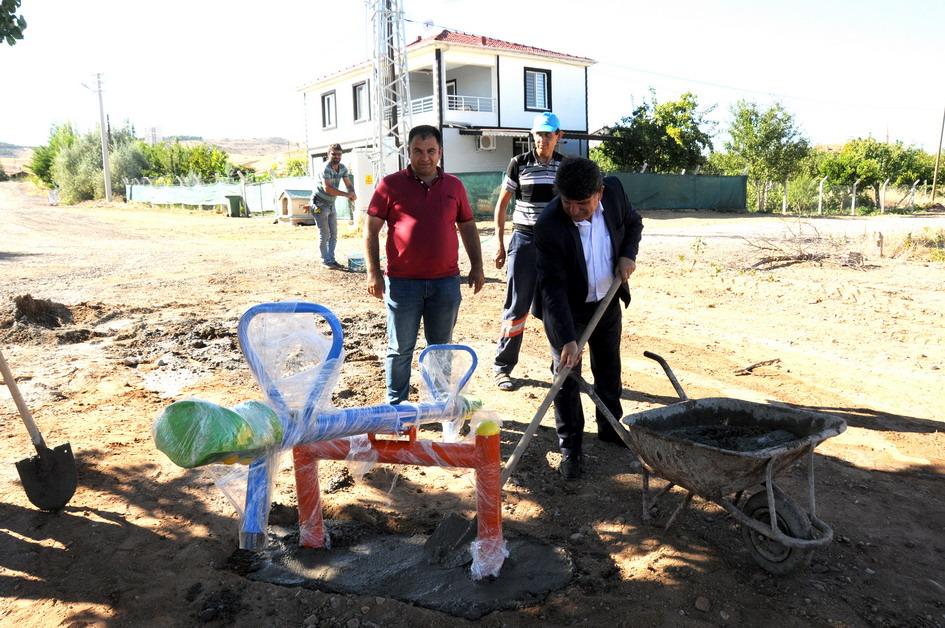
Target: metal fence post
column 820, row 197
column 784, row 198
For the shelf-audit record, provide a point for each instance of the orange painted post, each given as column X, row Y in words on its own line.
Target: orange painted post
column 483, row 456
column 488, row 485
column 308, row 491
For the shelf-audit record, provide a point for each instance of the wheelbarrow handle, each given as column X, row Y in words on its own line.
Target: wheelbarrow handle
column 669, row 373
column 25, row 413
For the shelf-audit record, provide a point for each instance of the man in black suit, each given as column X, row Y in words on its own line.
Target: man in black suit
column 588, row 235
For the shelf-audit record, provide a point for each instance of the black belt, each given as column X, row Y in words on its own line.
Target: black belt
column 529, row 229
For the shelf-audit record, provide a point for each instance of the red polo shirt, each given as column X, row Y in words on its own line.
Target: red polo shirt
column 421, row 223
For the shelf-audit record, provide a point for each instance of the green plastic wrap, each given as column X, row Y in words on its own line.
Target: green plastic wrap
column 193, row 433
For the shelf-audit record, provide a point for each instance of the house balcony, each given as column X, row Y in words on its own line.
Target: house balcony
column 460, row 109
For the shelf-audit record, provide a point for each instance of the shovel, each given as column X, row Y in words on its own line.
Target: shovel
column 49, row 477
column 448, row 545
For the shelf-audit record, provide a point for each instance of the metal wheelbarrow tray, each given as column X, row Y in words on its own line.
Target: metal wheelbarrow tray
column 718, row 448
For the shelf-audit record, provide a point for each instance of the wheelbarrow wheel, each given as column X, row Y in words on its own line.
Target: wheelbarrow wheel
column 792, row 521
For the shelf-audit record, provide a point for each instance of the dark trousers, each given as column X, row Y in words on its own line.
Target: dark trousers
column 522, row 276
column 604, row 348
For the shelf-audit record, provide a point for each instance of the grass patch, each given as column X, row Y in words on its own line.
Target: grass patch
column 928, row 244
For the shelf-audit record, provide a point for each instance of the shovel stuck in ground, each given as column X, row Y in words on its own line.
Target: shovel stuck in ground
column 49, row 477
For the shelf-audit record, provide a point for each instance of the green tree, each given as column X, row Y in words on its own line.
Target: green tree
column 127, row 161
column 295, row 168
column 872, row 162
column 41, row 163
column 207, row 162
column 168, row 160
column 11, row 24
column 767, row 144
column 77, row 165
column 723, row 163
column 667, row 137
column 77, row 170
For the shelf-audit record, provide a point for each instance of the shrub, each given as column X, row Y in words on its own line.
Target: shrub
column 77, row 171
column 41, row 164
column 126, row 162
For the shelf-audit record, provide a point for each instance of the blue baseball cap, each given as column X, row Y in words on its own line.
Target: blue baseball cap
column 546, row 123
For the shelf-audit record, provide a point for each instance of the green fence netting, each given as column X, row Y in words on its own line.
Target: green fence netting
column 483, row 189
column 646, row 191
column 682, row 191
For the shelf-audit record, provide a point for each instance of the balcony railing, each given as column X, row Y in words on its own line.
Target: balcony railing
column 418, row 106
column 470, row 103
column 453, row 103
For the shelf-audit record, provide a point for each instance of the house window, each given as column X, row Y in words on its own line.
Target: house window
column 537, row 89
column 328, row 110
column 362, row 102
column 520, row 145
column 451, row 87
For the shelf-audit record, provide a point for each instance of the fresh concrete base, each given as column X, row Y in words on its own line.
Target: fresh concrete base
column 395, row 566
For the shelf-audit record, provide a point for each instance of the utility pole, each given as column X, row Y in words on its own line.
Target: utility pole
column 104, row 131
column 938, row 156
column 390, row 84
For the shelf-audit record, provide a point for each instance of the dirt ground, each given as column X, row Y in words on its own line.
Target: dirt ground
column 152, row 297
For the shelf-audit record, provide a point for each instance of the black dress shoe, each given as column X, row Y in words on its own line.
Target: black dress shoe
column 571, row 466
column 608, row 435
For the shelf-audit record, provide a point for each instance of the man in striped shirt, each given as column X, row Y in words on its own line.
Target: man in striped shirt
column 323, row 204
column 530, row 178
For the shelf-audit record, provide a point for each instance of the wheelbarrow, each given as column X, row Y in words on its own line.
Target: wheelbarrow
column 722, row 448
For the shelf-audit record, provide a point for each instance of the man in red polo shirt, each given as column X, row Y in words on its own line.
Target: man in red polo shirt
column 422, row 207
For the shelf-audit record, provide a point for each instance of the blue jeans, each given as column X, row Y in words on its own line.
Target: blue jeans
column 522, row 276
column 436, row 302
column 327, row 220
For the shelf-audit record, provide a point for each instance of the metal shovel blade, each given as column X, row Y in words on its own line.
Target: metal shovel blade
column 49, row 478
column 448, row 546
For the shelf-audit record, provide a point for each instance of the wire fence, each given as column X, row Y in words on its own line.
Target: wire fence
column 804, row 195
column 813, row 196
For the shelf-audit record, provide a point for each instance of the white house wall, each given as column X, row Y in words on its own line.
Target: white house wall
column 476, row 74
column 346, row 130
column 461, row 155
column 472, row 80
column 567, row 93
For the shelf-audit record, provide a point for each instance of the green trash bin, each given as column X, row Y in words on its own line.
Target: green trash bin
column 236, row 206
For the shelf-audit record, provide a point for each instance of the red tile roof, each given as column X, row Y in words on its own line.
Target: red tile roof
column 481, row 41
column 463, row 39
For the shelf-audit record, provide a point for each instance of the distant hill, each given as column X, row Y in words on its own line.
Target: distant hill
column 12, row 150
column 259, row 153
column 14, row 157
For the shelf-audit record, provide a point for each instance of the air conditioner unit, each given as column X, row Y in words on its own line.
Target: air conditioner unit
column 486, row 142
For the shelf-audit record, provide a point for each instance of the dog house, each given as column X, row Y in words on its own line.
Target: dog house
column 294, row 207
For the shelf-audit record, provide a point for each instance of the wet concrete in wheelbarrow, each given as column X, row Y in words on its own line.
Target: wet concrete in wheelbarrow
column 395, row 566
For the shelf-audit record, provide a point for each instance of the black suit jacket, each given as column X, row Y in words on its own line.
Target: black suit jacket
column 562, row 273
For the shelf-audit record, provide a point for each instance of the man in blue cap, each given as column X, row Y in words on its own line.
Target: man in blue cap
column 530, row 178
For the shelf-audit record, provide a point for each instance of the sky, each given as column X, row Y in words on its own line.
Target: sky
column 231, row 69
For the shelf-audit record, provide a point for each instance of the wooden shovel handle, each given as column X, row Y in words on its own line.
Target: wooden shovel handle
column 27, row 417
column 560, row 377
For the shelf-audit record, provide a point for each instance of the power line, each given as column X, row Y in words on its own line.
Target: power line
column 775, row 95
column 744, row 90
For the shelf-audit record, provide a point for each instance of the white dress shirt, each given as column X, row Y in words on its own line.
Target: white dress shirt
column 598, row 254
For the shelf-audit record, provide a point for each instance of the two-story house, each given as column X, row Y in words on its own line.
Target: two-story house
column 482, row 93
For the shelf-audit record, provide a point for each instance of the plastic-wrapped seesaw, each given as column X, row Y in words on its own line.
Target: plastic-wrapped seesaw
column 297, row 367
